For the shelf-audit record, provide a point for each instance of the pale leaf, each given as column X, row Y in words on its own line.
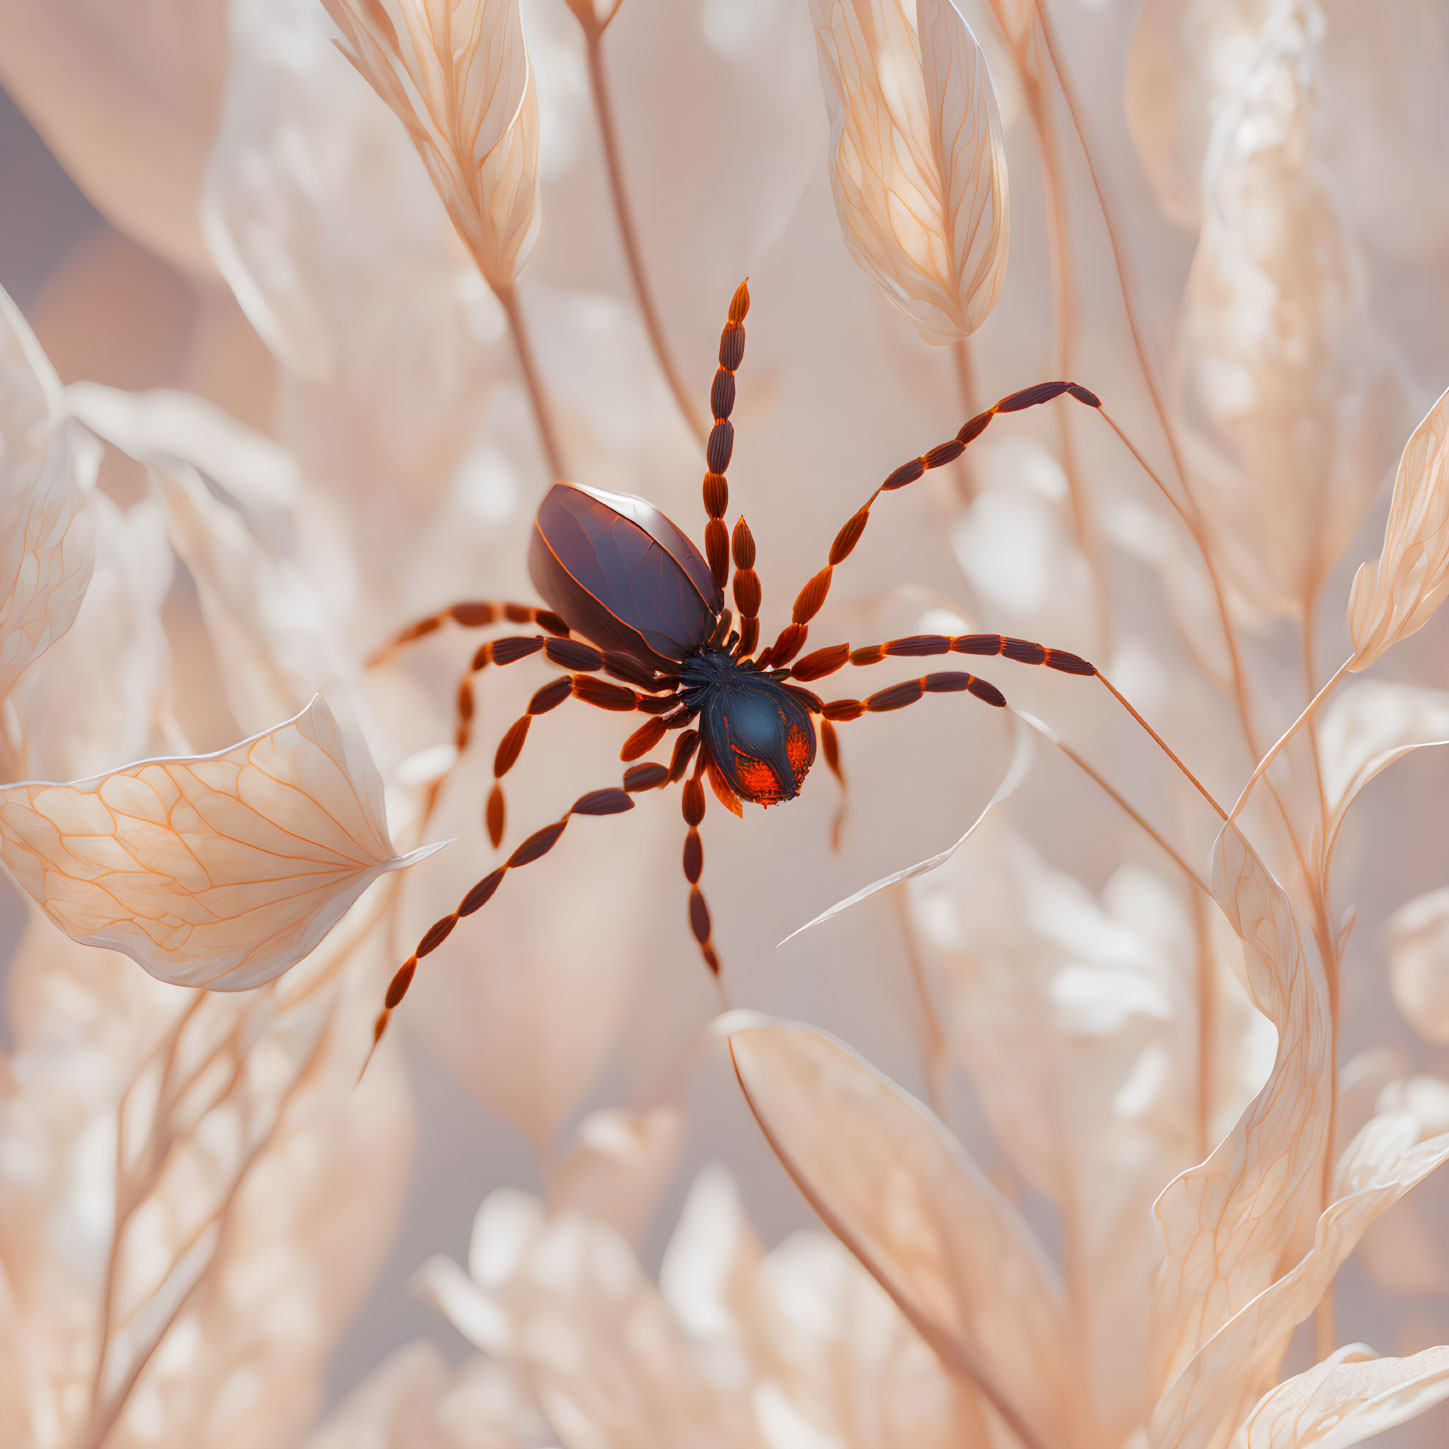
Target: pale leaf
column 1394, row 596
column 918, row 164
column 457, row 74
column 1346, row 1399
column 46, row 467
column 1395, row 1149
column 888, row 1180
column 619, row 1165
column 1416, row 939
column 1227, row 1221
column 1021, row 756
column 216, row 870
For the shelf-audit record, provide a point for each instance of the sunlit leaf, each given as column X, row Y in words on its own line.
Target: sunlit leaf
column 1349, row 1397
column 47, row 549
column 1227, row 1221
column 457, row 75
column 216, row 870
column 919, row 167
column 890, row 1183
column 1395, row 595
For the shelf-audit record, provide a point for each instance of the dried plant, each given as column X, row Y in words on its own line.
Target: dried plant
column 1108, row 1047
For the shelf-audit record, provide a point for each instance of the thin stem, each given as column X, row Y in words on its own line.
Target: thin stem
column 1064, row 330
column 1287, row 735
column 962, row 364
column 1310, row 608
column 1162, row 744
column 537, row 396
column 628, row 237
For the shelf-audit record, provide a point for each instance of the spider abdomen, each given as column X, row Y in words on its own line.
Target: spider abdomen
column 623, row 575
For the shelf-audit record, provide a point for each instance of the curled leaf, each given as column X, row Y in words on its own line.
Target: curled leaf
column 919, row 166
column 1349, row 1397
column 1227, row 1221
column 1394, row 596
column 215, row 870
column 47, row 549
column 457, row 75
column 893, row 1186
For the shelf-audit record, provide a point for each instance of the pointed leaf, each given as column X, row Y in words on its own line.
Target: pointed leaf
column 1394, row 596
column 214, row 870
column 919, row 167
column 456, row 73
column 902, row 1196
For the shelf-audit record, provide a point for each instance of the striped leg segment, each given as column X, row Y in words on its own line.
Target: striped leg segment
column 747, row 589
column 722, row 436
column 1019, row 651
column 807, row 604
column 830, row 748
column 596, row 802
column 908, row 691
column 473, row 614
column 576, row 686
column 699, row 921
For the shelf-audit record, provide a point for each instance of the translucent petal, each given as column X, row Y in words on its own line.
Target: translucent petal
column 1227, row 1221
column 1346, row 1399
column 47, row 549
column 1395, row 595
column 918, row 160
column 457, row 74
column 901, row 1195
column 1416, row 940
column 215, row 870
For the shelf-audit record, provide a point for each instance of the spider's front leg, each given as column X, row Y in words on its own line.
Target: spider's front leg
column 1019, row 651
column 722, row 436
column 693, row 807
column 792, row 637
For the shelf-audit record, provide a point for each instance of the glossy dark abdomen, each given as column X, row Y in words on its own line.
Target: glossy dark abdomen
column 622, row 575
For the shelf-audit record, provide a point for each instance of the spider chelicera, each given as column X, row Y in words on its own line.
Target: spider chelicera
column 630, row 596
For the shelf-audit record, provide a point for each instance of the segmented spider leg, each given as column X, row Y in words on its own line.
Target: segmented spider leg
column 591, row 691
column 747, row 589
column 693, row 805
column 1019, row 651
column 830, row 748
column 612, row 801
column 722, row 436
column 908, row 691
column 474, row 614
column 807, row 603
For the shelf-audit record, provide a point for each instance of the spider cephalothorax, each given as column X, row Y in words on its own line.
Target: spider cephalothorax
column 630, row 596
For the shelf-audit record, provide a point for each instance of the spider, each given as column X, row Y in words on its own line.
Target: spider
column 630, row 596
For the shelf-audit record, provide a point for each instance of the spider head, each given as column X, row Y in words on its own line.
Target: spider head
column 756, row 730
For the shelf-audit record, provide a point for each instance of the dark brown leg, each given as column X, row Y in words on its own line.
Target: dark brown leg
column 694, row 866
column 1019, row 651
column 807, row 604
column 596, row 802
column 577, row 686
column 476, row 614
column 747, row 589
column 722, row 436
column 908, row 691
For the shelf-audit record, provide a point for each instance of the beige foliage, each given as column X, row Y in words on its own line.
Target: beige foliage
column 46, row 535
column 1396, row 593
column 456, row 74
column 918, row 161
column 216, row 870
column 1416, row 940
column 889, row 1181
